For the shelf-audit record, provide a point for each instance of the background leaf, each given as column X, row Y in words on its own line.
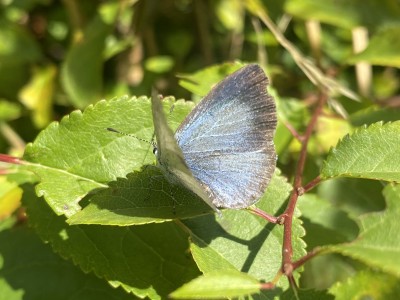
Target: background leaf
column 378, row 244
column 201, row 82
column 359, row 286
column 383, row 49
column 38, row 95
column 9, row 110
column 81, row 73
column 366, row 195
column 347, row 14
column 10, row 198
column 324, row 223
column 31, row 270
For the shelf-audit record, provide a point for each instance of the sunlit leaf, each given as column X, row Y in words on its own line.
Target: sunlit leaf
column 370, row 152
column 10, row 197
column 78, row 154
column 218, row 285
column 159, row 64
column 38, row 94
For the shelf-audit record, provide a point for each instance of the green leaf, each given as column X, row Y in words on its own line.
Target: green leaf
column 306, row 294
column 159, row 64
column 78, row 154
column 207, row 258
column 30, row 270
column 149, row 261
column 324, row 223
column 328, row 132
column 231, row 14
column 200, row 83
column 143, row 197
column 323, row 11
column 370, row 152
column 366, row 195
column 37, row 95
column 383, row 49
column 336, row 268
column 378, row 244
column 11, row 193
column 81, row 73
column 9, row 110
column 290, row 111
column 359, row 286
column 10, row 197
column 374, row 114
column 18, row 50
column 17, row 46
column 343, row 13
column 245, row 242
column 217, row 285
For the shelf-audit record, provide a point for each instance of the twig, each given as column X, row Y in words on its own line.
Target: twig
column 261, row 52
column 311, row 184
column 264, row 215
column 293, row 131
column 306, row 258
column 287, row 249
column 10, row 159
column 267, row 286
column 12, row 137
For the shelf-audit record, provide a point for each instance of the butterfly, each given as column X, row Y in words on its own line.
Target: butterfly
column 223, row 151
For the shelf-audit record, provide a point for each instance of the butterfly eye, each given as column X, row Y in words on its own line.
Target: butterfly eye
column 155, row 151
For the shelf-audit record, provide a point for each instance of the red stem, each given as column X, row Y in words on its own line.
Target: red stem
column 264, row 215
column 293, row 131
column 10, row 159
column 312, row 184
column 267, row 286
column 287, row 249
column 306, row 258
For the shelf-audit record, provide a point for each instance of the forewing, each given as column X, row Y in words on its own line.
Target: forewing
column 227, row 139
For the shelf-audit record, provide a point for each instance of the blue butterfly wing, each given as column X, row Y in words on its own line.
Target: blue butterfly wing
column 227, row 139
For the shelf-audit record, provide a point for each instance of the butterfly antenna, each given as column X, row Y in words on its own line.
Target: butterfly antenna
column 127, row 134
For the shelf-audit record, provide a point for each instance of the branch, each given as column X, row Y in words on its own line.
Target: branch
column 287, row 249
column 272, row 219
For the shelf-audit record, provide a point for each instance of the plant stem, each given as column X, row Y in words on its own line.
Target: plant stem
column 9, row 159
column 293, row 131
column 264, row 215
column 306, row 258
column 312, row 184
column 287, row 249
